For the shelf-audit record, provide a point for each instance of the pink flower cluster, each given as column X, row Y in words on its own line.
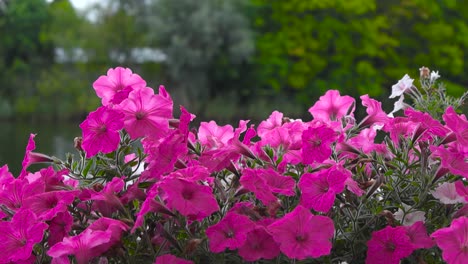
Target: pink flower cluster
column 149, row 188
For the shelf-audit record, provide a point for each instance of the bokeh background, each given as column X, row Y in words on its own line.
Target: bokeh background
column 222, row 59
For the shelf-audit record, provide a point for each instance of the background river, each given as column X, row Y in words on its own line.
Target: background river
column 53, row 139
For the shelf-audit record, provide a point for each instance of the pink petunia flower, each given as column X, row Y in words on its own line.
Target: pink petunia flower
column 107, row 200
column 171, row 259
column 375, row 114
column 452, row 159
column 458, row 124
column 146, row 113
column 101, row 131
column 31, row 157
column 453, row 241
column 14, row 193
column 189, row 198
column 47, row 205
column 59, row 227
column 301, row 234
column 332, row 106
column 259, row 245
column 320, row 188
column 82, row 246
column 114, row 87
column 230, row 232
column 418, row 236
column 19, row 236
column 211, row 135
column 162, row 156
column 114, row 227
column 5, row 176
column 316, row 144
column 252, row 181
column 389, row 246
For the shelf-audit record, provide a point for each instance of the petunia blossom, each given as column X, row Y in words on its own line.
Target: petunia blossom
column 189, row 198
column 82, row 246
column 332, row 106
column 31, row 157
column 101, row 131
column 114, row 87
column 19, row 236
column 47, row 205
column 375, row 114
column 402, row 86
column 318, row 190
column 146, row 113
column 211, row 135
column 230, row 232
column 447, row 194
column 259, row 245
column 301, row 234
column 388, row 246
column 453, row 241
column 171, row 259
column 418, row 235
column 316, row 144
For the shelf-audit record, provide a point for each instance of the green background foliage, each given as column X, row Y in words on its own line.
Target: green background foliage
column 225, row 59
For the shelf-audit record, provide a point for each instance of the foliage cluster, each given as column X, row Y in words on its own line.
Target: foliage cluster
column 254, row 52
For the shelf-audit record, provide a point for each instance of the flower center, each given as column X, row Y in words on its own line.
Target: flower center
column 301, row 237
column 140, row 115
column 390, row 246
column 187, row 195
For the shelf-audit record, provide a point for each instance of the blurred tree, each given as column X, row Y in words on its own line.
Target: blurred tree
column 208, row 45
column 357, row 46
column 21, row 49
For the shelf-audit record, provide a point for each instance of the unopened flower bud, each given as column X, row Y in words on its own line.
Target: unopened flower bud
column 77, row 143
column 424, row 72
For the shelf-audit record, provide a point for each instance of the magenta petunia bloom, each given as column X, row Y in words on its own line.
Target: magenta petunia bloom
column 452, row 159
column 418, row 235
column 47, row 205
column 19, row 236
column 162, row 156
column 13, row 194
column 82, row 246
column 31, row 157
column 274, row 121
column 191, row 199
column 252, row 181
column 259, row 245
column 230, row 232
column 114, row 87
column 320, row 188
column 59, row 227
column 107, row 200
column 302, row 234
column 375, row 114
column 332, row 106
column 5, row 176
column 458, row 124
column 114, row 227
column 146, row 113
column 453, row 241
column 389, row 246
column 101, row 131
column 316, row 144
column 171, row 259
column 213, row 136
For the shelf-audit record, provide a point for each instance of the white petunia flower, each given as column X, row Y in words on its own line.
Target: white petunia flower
column 410, row 218
column 434, row 76
column 447, row 194
column 401, row 86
